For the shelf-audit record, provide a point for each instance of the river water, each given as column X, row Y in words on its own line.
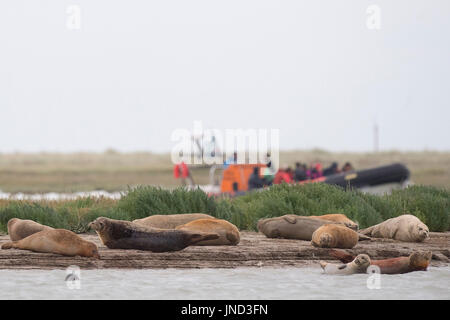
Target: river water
column 383, row 189
column 59, row 196
column 240, row 283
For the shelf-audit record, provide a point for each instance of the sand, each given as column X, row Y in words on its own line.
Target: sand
column 254, row 250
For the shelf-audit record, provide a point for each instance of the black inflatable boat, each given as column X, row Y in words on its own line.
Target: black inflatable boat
column 394, row 173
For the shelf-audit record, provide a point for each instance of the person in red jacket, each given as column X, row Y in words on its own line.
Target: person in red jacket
column 282, row 176
column 181, row 170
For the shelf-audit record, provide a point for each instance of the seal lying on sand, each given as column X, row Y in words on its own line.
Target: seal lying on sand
column 358, row 265
column 338, row 217
column 171, row 221
column 19, row 229
column 291, row 226
column 228, row 232
column 406, row 228
column 417, row 261
column 118, row 234
column 58, row 241
column 334, row 236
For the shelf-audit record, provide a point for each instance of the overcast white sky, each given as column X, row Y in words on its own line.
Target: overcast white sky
column 137, row 70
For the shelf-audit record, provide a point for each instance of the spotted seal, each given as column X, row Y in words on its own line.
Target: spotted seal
column 358, row 265
column 119, row 234
column 334, row 236
column 58, row 241
column 171, row 221
column 407, row 228
column 19, row 229
column 228, row 232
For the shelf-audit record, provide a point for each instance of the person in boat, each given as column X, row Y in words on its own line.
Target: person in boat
column 290, row 172
column 236, row 191
column 231, row 160
column 181, row 170
column 268, row 160
column 268, row 174
column 255, row 181
column 300, row 172
column 347, row 167
column 316, row 171
column 332, row 169
column 282, row 176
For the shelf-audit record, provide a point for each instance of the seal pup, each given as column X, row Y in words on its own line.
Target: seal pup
column 119, row 234
column 334, row 236
column 19, row 229
column 338, row 217
column 171, row 221
column 58, row 241
column 291, row 226
column 228, row 232
column 407, row 228
column 416, row 261
column 358, row 265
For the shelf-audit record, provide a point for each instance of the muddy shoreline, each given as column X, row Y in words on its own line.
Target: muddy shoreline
column 254, row 250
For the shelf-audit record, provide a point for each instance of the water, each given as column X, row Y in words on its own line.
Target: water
column 378, row 190
column 53, row 196
column 60, row 196
column 240, row 283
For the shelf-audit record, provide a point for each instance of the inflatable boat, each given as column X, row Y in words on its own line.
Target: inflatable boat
column 395, row 173
column 377, row 180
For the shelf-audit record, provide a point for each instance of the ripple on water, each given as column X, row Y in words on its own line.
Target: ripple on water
column 241, row 283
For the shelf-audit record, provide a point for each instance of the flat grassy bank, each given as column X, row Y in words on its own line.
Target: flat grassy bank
column 114, row 171
column 430, row 204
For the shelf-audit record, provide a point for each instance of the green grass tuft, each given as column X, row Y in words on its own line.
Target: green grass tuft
column 430, row 204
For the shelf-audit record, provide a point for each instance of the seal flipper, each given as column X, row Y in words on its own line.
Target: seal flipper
column 290, row 218
column 233, row 238
column 343, row 266
column 366, row 231
column 362, row 237
column 341, row 255
column 201, row 236
column 395, row 233
column 275, row 233
column 8, row 245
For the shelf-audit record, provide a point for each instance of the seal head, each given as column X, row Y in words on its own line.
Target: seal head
column 362, row 261
column 422, row 232
column 420, row 260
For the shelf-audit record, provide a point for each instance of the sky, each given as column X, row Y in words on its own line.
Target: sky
column 125, row 75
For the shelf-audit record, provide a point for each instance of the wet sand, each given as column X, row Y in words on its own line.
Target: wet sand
column 254, row 250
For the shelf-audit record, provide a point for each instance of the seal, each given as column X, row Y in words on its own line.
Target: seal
column 171, row 221
column 58, row 241
column 358, row 265
column 416, row 261
column 334, row 236
column 339, row 217
column 119, row 234
column 291, row 226
column 19, row 229
column 407, row 228
column 228, row 232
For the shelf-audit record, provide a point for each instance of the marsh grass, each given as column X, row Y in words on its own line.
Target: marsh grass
column 430, row 204
column 143, row 201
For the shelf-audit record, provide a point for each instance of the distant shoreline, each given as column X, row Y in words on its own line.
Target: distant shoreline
column 114, row 171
